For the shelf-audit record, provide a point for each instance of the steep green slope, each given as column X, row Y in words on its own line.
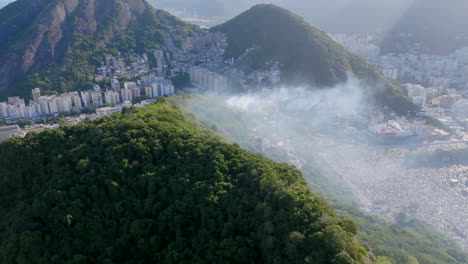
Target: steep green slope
column 154, row 186
column 308, row 55
column 404, row 242
column 56, row 45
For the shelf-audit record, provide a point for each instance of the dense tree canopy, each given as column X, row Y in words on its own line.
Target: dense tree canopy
column 152, row 185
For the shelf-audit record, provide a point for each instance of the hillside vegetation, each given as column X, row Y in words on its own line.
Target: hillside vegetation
column 154, row 186
column 308, row 56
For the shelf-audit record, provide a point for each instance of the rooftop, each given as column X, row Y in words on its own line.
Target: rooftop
column 8, row 128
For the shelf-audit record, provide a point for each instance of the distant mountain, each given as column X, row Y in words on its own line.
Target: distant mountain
column 156, row 186
column 57, row 44
column 307, row 54
column 430, row 25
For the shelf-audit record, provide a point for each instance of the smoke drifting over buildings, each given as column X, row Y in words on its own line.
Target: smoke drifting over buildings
column 319, row 107
column 332, row 131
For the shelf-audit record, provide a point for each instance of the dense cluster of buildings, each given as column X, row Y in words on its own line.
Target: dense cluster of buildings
column 151, row 79
column 210, row 80
column 362, row 45
column 202, row 58
column 380, row 180
column 415, row 67
column 118, row 67
column 436, row 84
column 209, row 70
column 436, row 101
column 365, row 46
column 151, row 86
column 448, row 106
column 439, row 86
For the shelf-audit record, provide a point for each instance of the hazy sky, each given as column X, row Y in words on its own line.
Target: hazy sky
column 4, row 2
column 332, row 15
column 350, row 15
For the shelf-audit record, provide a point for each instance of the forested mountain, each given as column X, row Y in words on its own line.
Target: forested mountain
column 155, row 186
column 56, row 45
column 308, row 56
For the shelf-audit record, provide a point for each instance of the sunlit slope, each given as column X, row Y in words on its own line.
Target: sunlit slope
column 155, row 186
column 308, row 56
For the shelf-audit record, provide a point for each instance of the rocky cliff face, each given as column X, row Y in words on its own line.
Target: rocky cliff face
column 35, row 34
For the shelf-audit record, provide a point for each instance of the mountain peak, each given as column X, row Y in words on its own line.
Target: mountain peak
column 272, row 11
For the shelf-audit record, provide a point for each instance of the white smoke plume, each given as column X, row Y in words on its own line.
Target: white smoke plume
column 325, row 130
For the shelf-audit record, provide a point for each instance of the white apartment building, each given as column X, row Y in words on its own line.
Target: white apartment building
column 96, row 98
column 126, row 94
column 389, row 72
column 220, row 83
column 115, row 85
column 44, row 105
column 53, row 105
column 30, row 112
column 112, row 97
column 4, row 110
column 419, row 101
column 97, row 88
column 16, row 108
column 16, row 111
column 36, row 93
column 136, row 92
column 130, row 85
column 156, row 90
column 149, row 91
column 76, row 99
column 86, row 98
column 64, row 103
column 415, row 90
